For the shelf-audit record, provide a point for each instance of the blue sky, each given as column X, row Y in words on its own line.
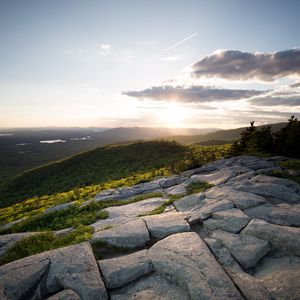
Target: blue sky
column 71, row 62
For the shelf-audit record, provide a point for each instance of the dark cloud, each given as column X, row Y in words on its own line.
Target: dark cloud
column 237, row 65
column 276, row 101
column 191, row 94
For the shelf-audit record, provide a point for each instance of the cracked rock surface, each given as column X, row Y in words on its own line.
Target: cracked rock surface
column 240, row 239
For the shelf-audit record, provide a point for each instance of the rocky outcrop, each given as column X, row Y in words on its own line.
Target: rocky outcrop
column 238, row 240
column 38, row 276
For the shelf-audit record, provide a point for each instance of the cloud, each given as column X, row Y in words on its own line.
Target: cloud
column 237, row 65
column 277, row 99
column 191, row 94
column 104, row 49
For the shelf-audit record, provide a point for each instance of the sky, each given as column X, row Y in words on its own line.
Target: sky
column 192, row 64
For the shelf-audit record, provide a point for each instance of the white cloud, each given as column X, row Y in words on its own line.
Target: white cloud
column 170, row 58
column 104, row 49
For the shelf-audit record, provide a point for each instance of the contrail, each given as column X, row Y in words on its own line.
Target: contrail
column 173, row 46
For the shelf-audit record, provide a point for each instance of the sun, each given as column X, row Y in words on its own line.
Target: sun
column 172, row 116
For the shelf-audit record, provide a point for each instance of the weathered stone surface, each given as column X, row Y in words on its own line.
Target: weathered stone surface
column 134, row 209
column 9, row 240
column 282, row 238
column 232, row 220
column 246, row 249
column 281, row 276
column 120, row 271
column 151, row 287
column 184, row 259
column 37, row 276
column 162, row 225
column 190, row 202
column 270, row 190
column 59, row 207
column 133, row 234
column 250, row 288
column 240, row 199
column 172, row 181
column 11, row 224
column 177, row 190
column 205, row 212
column 65, row 295
column 215, row 178
column 280, row 181
column 275, row 215
column 63, row 232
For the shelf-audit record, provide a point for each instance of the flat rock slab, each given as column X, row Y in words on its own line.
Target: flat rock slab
column 246, row 249
column 185, row 260
column 274, row 214
column 270, row 190
column 9, row 240
column 59, row 207
column 281, row 276
column 190, row 202
column 249, row 286
column 210, row 207
column 45, row 274
column 232, row 220
column 131, row 235
column 120, row 271
column 134, row 209
column 215, row 178
column 65, row 295
column 240, row 199
column 163, row 225
column 151, row 287
column 281, row 181
column 281, row 238
column 177, row 190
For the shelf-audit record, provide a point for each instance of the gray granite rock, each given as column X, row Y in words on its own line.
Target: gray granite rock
column 64, row 232
column 163, row 225
column 177, row 190
column 275, row 180
column 131, row 235
column 249, row 286
column 232, row 220
column 215, row 178
column 275, row 215
column 120, row 271
column 190, row 202
column 150, row 287
column 270, row 190
column 59, row 207
column 281, row 238
column 172, row 181
column 184, row 259
column 240, row 199
column 246, row 249
column 45, row 274
column 9, row 240
column 281, row 276
column 65, row 295
column 11, row 224
column 210, row 207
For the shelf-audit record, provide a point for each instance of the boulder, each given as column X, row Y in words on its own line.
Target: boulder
column 281, row 238
column 240, row 199
column 205, row 212
column 184, row 259
column 232, row 220
column 45, row 274
column 275, row 180
column 246, row 249
column 190, row 202
column 249, row 286
column 120, row 271
column 131, row 235
column 275, row 215
column 281, row 276
column 162, row 225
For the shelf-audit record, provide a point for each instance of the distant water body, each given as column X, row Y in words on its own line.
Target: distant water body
column 52, row 141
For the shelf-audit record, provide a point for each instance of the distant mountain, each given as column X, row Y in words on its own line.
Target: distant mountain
column 218, row 137
column 27, row 148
